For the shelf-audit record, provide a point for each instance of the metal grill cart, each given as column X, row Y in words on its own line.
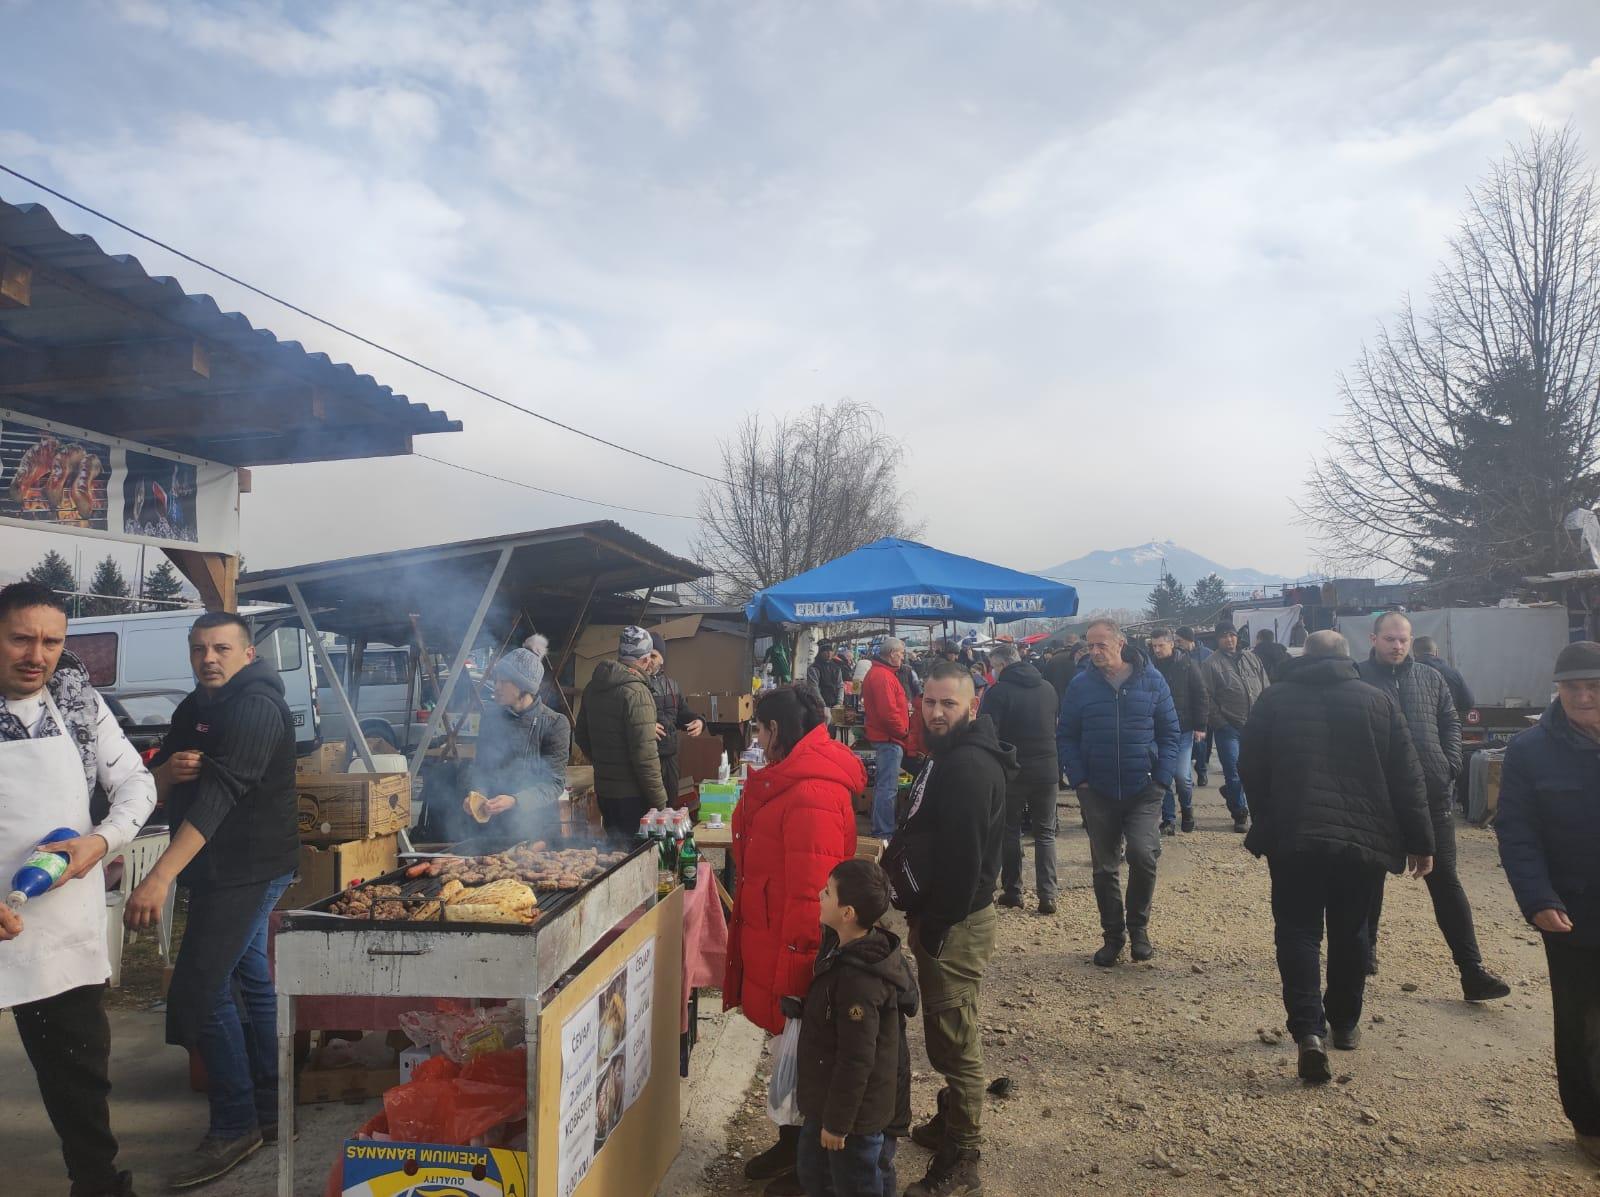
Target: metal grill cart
column 318, row 953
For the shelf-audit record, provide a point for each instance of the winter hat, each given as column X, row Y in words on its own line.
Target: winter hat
column 1578, row 662
column 522, row 669
column 1225, row 628
column 538, row 644
column 634, row 644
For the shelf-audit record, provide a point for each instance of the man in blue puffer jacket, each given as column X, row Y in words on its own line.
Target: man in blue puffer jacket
column 1118, row 743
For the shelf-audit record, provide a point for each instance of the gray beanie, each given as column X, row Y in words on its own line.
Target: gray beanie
column 634, row 644
column 522, row 669
column 1578, row 662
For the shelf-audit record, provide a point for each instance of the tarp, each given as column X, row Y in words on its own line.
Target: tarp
column 901, row 579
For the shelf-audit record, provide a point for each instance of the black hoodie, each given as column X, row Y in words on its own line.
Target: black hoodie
column 1024, row 710
column 943, row 862
column 854, row 1071
column 243, row 802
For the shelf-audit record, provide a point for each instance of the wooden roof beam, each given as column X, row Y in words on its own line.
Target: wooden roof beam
column 119, row 365
column 16, row 282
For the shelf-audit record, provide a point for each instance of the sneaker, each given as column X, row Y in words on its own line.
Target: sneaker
column 951, row 1174
column 930, row 1134
column 785, row 1184
column 1480, row 985
column 1047, row 905
column 1314, row 1068
column 1188, row 821
column 1347, row 1039
column 1109, row 952
column 777, row 1159
column 1168, row 828
column 1008, row 899
column 1140, row 948
column 213, row 1157
column 1200, row 779
column 1241, row 822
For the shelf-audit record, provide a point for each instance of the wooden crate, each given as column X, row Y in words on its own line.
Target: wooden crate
column 337, row 807
column 327, row 870
column 328, row 758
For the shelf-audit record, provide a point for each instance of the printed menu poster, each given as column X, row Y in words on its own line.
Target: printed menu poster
column 605, row 1064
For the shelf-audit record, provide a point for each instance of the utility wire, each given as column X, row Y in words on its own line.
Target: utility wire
column 368, row 341
column 456, row 465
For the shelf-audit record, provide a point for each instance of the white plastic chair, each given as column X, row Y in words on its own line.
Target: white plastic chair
column 138, row 858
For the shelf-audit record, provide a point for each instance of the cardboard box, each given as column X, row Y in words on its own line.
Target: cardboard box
column 724, row 707
column 373, row 1167
column 324, row 871
column 699, row 757
column 328, row 758
column 335, row 807
column 318, row 1085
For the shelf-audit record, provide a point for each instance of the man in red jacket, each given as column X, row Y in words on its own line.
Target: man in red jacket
column 888, row 725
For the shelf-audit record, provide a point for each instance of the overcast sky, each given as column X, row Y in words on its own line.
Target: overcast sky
column 1099, row 265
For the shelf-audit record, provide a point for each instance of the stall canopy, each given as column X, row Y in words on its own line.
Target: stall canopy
column 901, row 579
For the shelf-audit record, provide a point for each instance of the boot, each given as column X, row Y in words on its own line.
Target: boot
column 930, row 1134
column 1167, row 828
column 1241, row 822
column 1480, row 985
column 212, row 1158
column 1188, row 819
column 121, row 1187
column 1347, row 1039
column 1590, row 1146
column 777, row 1159
column 1110, row 951
column 953, row 1173
column 1314, row 1068
column 1139, row 938
column 1007, row 898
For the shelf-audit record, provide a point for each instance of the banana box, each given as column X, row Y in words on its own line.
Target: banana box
column 373, row 1169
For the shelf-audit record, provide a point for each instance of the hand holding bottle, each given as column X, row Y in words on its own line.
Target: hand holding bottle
column 83, row 853
column 10, row 923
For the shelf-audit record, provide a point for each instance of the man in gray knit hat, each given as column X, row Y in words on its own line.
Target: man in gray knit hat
column 523, row 749
column 616, row 729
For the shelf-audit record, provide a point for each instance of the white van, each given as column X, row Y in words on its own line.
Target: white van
column 143, row 661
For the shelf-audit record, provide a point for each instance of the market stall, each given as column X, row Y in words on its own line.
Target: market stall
column 596, row 973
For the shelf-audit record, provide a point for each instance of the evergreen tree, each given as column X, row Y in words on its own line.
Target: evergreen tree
column 165, row 585
column 108, row 581
column 1168, row 600
column 1210, row 595
column 55, row 572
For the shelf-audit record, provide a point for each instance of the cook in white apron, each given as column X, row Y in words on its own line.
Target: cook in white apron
column 63, row 940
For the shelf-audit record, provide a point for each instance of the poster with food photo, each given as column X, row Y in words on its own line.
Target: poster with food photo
column 158, row 498
column 52, row 478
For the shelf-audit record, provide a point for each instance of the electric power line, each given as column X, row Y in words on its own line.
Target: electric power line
column 368, row 341
column 456, row 465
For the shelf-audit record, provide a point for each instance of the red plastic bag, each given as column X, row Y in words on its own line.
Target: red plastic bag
column 422, row 1111
column 435, row 1068
column 479, row 1107
column 508, row 1068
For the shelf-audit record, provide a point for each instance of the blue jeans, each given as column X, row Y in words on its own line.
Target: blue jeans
column 1181, row 779
column 888, row 785
column 863, row 1167
column 1228, row 756
column 241, row 1057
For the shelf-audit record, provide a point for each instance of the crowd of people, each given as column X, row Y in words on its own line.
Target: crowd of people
column 1337, row 772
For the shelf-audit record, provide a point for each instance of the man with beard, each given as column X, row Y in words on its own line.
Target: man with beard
column 942, row 865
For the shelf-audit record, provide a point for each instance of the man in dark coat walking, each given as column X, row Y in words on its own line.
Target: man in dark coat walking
column 1435, row 728
column 1236, row 679
column 1549, row 828
column 1192, row 701
column 1023, row 708
column 1425, row 650
column 1338, row 799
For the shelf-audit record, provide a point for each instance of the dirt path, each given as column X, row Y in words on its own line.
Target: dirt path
column 1174, row 1076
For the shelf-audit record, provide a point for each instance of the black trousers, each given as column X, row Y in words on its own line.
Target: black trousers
column 1306, row 891
column 1575, row 994
column 68, row 1041
column 622, row 815
column 1451, row 909
column 669, row 777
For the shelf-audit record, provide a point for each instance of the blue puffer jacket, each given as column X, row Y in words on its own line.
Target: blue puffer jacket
column 1549, row 824
column 1120, row 741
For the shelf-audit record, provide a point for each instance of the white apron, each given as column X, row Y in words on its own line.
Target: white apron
column 63, row 940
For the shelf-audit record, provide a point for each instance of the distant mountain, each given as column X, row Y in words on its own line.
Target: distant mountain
column 1125, row 577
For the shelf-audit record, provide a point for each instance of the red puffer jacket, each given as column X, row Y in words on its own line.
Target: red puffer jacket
column 794, row 822
column 888, row 709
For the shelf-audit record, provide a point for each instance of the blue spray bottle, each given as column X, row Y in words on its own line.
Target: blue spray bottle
column 41, row 871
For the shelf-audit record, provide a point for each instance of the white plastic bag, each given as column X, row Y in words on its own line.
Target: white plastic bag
column 783, row 1090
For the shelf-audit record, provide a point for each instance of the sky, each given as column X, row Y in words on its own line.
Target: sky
column 1099, row 266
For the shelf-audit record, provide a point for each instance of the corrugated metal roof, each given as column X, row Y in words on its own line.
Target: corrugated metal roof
column 268, row 400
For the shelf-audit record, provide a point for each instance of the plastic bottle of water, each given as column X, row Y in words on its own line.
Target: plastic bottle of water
column 42, row 871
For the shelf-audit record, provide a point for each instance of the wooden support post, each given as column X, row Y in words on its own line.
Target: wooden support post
column 214, row 575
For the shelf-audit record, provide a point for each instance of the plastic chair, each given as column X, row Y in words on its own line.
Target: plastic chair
column 138, row 858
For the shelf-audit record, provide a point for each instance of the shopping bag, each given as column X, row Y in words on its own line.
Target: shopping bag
column 783, row 1090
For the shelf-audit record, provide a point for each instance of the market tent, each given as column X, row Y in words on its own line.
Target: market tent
column 901, row 579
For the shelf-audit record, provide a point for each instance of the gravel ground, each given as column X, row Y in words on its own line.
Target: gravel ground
column 1175, row 1076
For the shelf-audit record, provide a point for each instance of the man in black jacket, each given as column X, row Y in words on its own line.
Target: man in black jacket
column 1192, row 701
column 827, row 675
column 1271, row 654
column 1424, row 699
column 1338, row 798
column 1425, row 650
column 672, row 715
column 1024, row 708
column 226, row 771
column 942, row 866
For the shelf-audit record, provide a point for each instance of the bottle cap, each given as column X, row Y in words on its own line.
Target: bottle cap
column 16, row 899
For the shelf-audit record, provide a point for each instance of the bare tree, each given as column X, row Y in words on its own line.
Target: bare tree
column 1427, row 470
column 801, row 491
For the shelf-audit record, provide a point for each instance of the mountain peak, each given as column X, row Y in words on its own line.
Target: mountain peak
column 1116, row 578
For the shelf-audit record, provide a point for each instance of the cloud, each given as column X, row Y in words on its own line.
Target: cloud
column 397, row 118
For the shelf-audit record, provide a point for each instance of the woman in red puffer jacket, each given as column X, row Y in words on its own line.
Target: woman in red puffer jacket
column 793, row 823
